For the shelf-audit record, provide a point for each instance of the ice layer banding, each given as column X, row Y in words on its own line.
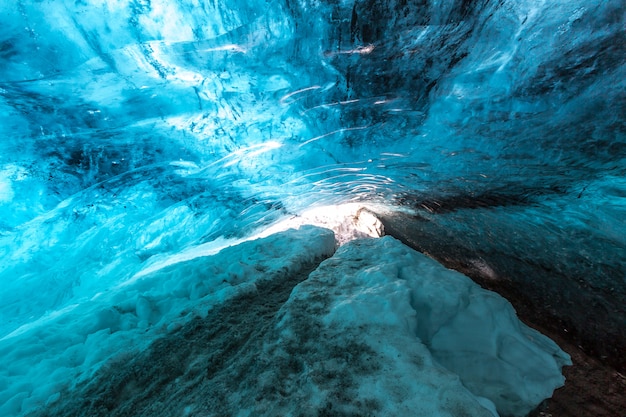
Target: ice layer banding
column 141, row 136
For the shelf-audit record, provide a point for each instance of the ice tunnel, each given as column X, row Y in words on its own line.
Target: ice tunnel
column 189, row 191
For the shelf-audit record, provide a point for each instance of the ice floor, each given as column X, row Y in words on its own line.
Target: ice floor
column 268, row 327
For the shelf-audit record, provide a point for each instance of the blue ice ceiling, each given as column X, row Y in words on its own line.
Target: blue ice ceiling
column 135, row 129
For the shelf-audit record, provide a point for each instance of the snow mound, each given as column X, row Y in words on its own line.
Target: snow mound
column 69, row 346
column 387, row 326
column 375, row 330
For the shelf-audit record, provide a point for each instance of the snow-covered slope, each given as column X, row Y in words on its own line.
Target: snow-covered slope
column 376, row 329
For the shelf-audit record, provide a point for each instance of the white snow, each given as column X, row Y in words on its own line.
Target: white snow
column 70, row 345
column 348, row 221
column 424, row 324
column 376, row 329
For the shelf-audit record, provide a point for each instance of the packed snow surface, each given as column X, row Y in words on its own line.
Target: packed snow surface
column 375, row 329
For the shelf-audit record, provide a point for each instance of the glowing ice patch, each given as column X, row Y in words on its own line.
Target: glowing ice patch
column 334, row 132
column 184, row 75
column 232, row 47
column 9, row 174
column 250, row 152
column 348, row 221
column 6, row 191
column 49, row 317
column 288, row 98
column 186, row 167
column 360, row 50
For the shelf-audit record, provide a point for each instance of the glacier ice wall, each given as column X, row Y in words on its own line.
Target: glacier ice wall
column 134, row 129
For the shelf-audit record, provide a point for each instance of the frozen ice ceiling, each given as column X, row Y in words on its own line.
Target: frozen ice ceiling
column 495, row 129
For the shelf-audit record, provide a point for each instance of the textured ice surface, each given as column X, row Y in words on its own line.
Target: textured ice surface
column 376, row 329
column 406, row 307
column 134, row 132
column 67, row 346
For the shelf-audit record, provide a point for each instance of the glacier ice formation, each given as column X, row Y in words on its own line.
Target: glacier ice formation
column 138, row 135
column 264, row 328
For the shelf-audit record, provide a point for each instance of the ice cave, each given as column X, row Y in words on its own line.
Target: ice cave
column 312, row 208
